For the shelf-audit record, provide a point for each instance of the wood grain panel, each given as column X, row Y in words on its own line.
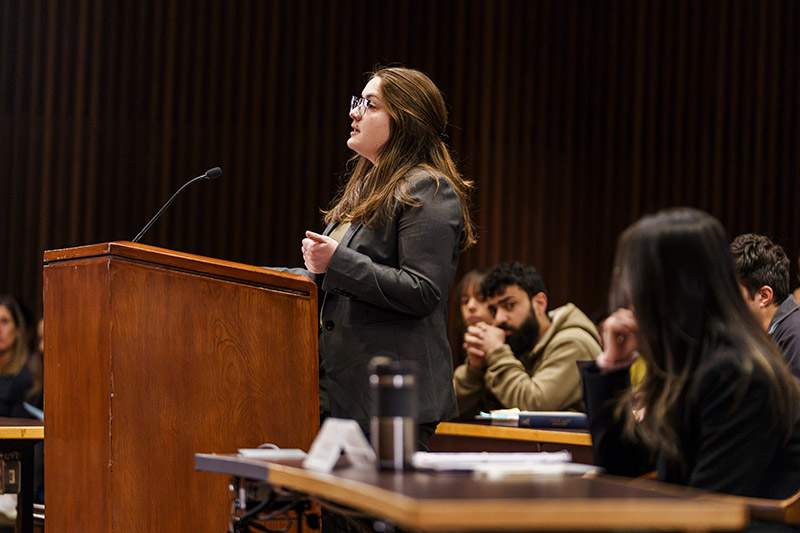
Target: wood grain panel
column 572, row 118
column 78, row 439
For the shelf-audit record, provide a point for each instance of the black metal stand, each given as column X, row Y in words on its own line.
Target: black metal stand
column 261, row 507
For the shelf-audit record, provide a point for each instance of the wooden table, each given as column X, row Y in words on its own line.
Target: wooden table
column 461, row 502
column 483, row 436
column 21, row 435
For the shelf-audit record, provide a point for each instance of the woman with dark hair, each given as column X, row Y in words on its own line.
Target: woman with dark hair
column 471, row 302
column 721, row 411
column 388, row 255
column 15, row 378
column 472, row 305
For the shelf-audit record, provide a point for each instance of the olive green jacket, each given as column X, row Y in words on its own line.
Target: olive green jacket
column 544, row 379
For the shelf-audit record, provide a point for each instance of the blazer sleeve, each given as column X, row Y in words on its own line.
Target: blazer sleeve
column 427, row 236
column 316, row 278
column 612, row 450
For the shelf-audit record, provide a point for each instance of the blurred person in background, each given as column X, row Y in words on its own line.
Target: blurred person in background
column 15, row 377
column 472, row 305
column 15, row 382
column 762, row 269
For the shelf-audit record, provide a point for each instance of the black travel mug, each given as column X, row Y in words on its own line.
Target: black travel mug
column 393, row 426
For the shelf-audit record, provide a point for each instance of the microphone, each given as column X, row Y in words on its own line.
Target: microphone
column 210, row 174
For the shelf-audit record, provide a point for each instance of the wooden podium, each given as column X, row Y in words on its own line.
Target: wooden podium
column 153, row 356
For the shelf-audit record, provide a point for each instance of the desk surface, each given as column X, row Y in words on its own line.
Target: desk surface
column 21, row 435
column 579, row 437
column 452, row 501
column 21, row 428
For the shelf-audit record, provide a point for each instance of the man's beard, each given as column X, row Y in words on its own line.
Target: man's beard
column 524, row 338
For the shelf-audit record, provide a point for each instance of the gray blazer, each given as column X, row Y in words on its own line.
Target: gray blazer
column 385, row 293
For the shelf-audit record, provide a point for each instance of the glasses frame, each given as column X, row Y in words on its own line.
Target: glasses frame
column 360, row 105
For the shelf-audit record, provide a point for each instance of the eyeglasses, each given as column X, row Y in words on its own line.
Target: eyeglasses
column 360, row 105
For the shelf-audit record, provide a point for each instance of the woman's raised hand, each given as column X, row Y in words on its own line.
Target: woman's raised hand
column 620, row 343
column 317, row 252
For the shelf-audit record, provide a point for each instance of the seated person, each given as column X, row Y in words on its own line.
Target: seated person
column 471, row 303
column 762, row 269
column 15, row 378
column 15, row 382
column 722, row 411
column 526, row 359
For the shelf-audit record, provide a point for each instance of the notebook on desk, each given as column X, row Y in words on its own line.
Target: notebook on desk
column 536, row 419
column 552, row 419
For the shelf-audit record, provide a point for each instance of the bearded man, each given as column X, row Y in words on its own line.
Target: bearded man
column 527, row 357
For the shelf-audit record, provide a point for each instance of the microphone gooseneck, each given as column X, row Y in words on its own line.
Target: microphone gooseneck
column 209, row 174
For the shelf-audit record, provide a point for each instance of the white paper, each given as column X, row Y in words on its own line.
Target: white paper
column 473, row 461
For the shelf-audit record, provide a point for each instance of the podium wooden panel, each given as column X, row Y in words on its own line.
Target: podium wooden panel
column 154, row 355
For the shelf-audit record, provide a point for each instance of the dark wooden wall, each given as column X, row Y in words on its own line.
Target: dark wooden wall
column 573, row 118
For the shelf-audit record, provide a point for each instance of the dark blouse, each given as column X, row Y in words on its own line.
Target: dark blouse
column 12, row 392
column 728, row 440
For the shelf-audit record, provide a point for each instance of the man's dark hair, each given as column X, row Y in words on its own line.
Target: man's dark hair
column 759, row 262
column 506, row 274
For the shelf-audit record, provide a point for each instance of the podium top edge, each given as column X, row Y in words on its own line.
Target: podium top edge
column 146, row 253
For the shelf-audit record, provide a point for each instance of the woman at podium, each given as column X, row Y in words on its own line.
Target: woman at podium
column 387, row 258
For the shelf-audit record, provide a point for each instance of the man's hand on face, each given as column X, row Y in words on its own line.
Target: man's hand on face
column 473, row 346
column 480, row 339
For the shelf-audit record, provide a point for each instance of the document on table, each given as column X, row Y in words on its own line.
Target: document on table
column 500, row 463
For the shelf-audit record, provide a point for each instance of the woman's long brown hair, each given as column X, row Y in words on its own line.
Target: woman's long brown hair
column 675, row 272
column 418, row 122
